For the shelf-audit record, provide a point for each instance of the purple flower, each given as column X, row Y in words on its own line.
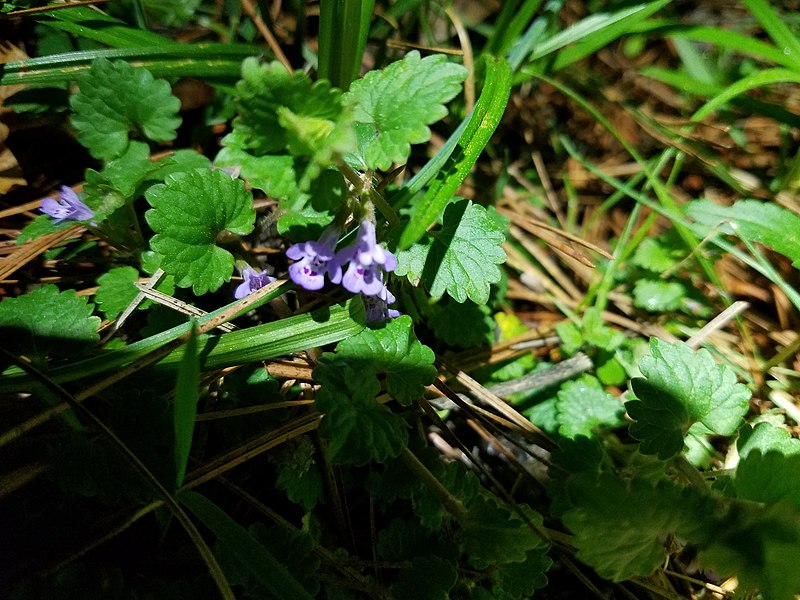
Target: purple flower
column 368, row 261
column 253, row 280
column 68, row 206
column 314, row 260
column 377, row 307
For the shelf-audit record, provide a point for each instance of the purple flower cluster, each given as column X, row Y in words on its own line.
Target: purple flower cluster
column 253, row 280
column 68, row 206
column 368, row 262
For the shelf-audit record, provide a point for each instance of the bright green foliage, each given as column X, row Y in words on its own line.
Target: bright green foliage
column 116, row 99
column 597, row 333
column 429, row 578
column 129, row 171
column 494, row 534
column 392, row 349
column 357, row 428
column 188, row 214
column 766, row 437
column 299, row 476
column 396, row 104
column 753, row 220
column 463, row 325
column 47, row 323
column 620, row 527
column 461, row 258
column 41, row 225
column 655, row 295
column 116, row 290
column 682, row 388
column 655, row 254
column 283, row 112
column 583, row 404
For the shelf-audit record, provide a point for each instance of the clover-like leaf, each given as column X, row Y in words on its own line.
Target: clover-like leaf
column 47, row 322
column 396, row 104
column 393, row 349
column 620, row 527
column 115, row 99
column 461, row 258
column 583, row 404
column 358, row 429
column 189, row 211
column 683, row 388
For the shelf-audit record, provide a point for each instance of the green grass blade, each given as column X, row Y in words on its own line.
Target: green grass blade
column 263, row 566
column 292, row 334
column 510, row 24
column 84, row 22
column 756, row 80
column 484, row 120
column 184, row 409
column 598, row 31
column 776, row 29
column 528, row 42
column 343, row 31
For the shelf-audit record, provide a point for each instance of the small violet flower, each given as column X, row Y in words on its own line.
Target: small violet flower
column 377, row 307
column 314, row 260
column 253, row 280
column 68, row 206
column 368, row 261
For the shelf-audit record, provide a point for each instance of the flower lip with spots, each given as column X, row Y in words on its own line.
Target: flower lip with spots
column 368, row 261
column 315, row 260
column 253, row 280
column 67, row 207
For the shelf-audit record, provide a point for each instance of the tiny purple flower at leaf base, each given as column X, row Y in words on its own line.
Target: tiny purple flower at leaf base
column 368, row 261
column 253, row 280
column 314, row 260
column 68, row 206
column 377, row 307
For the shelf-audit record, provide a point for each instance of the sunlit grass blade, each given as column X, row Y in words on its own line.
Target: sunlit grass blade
column 265, row 568
column 343, row 30
column 484, row 120
column 293, row 334
column 589, row 34
column 177, row 60
column 84, row 22
column 184, row 408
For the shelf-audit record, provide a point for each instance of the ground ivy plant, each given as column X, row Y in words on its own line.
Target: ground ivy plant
column 360, row 270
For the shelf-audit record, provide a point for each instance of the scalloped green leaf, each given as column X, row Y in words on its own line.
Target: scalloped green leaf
column 763, row 222
column 48, row 323
column 116, row 99
column 583, row 405
column 463, row 325
column 392, row 349
column 358, row 429
column 683, row 388
column 116, row 290
column 620, row 527
column 460, row 259
column 396, row 104
column 42, row 225
column 494, row 534
column 189, row 211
